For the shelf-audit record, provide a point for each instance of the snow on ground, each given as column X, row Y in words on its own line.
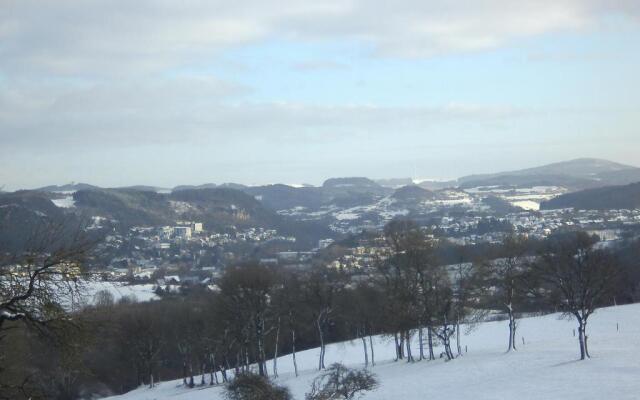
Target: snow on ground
column 345, row 215
column 546, row 367
column 542, row 190
column 142, row 292
column 65, row 202
column 527, row 204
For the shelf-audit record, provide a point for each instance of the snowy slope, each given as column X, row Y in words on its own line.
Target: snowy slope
column 544, row 368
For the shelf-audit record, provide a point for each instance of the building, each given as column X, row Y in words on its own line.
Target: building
column 182, row 232
column 196, row 227
column 324, row 243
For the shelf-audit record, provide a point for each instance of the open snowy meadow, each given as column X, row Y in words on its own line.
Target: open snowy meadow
column 546, row 366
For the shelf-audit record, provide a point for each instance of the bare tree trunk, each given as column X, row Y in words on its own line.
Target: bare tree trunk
column 430, row 339
column 581, row 341
column 275, row 352
column 224, row 369
column 191, row 384
column 261, row 359
column 247, row 364
column 459, row 347
column 586, row 344
column 293, row 350
column 184, row 371
column 582, row 336
column 586, row 338
column 212, row 372
column 512, row 328
column 321, row 335
column 373, row 361
column 395, row 338
column 408, row 341
column 445, row 336
column 420, row 340
column 366, row 354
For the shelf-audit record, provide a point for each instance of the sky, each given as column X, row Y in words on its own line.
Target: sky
column 163, row 93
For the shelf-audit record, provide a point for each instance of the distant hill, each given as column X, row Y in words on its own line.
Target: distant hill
column 128, row 206
column 351, row 192
column 145, row 188
column 203, row 186
column 394, row 183
column 341, row 192
column 220, row 206
column 217, row 208
column 229, row 185
column 576, row 174
column 606, row 198
column 499, row 205
column 282, row 197
column 412, row 194
column 22, row 214
column 71, row 187
column 437, row 185
column 397, row 183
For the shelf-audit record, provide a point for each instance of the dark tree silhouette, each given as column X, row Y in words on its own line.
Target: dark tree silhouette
column 576, row 278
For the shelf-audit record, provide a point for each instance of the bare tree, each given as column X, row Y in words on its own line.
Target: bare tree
column 340, row 382
column 289, row 305
column 400, row 282
column 320, row 292
column 505, row 276
column 141, row 331
column 43, row 281
column 576, row 278
column 249, row 288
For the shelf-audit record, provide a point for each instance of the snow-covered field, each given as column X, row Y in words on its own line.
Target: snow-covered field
column 65, row 202
column 141, row 292
column 545, row 367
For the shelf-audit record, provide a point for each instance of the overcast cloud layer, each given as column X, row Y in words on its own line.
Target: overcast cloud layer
column 173, row 92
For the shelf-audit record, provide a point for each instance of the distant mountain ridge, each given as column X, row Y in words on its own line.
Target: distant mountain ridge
column 343, row 192
column 582, row 173
column 70, row 187
column 313, row 212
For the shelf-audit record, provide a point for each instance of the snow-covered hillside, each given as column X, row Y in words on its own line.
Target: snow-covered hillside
column 545, row 367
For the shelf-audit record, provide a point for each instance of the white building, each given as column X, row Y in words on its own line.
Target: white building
column 324, row 243
column 196, row 227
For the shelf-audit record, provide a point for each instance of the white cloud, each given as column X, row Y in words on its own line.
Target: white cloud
column 198, row 110
column 98, row 38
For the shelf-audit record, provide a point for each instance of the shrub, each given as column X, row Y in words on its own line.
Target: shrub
column 340, row 382
column 250, row 386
